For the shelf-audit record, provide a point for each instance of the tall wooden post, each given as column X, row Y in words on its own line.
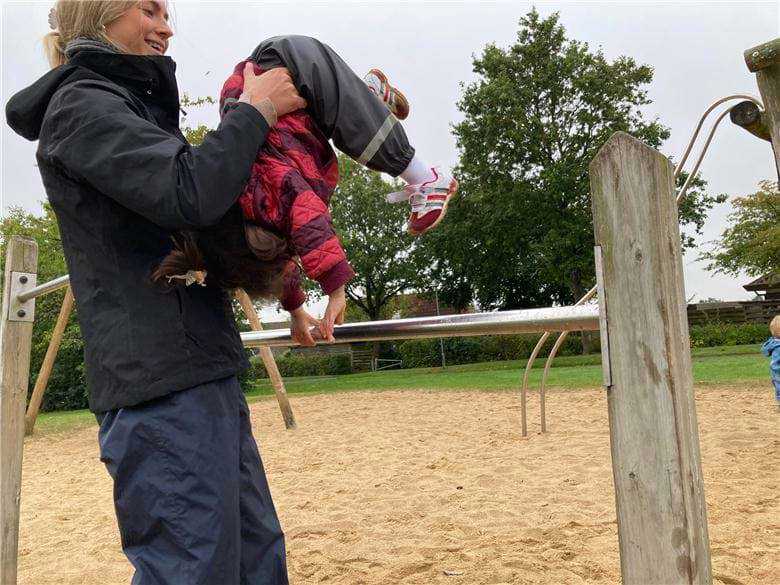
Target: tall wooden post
column 661, row 512
column 48, row 362
column 16, row 324
column 268, row 361
column 764, row 61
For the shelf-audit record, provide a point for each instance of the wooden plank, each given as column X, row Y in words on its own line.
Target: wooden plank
column 662, row 521
column 268, row 361
column 15, row 343
column 48, row 362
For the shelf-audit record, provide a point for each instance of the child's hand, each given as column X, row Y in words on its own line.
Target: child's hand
column 300, row 327
column 334, row 314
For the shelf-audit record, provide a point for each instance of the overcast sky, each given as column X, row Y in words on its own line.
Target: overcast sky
column 426, row 49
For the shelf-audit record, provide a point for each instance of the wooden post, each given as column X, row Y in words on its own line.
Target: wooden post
column 661, row 512
column 764, row 61
column 16, row 324
column 48, row 362
column 268, row 361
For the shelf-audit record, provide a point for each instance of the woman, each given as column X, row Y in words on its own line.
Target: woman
column 191, row 497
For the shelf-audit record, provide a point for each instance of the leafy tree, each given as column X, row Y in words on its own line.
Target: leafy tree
column 520, row 234
column 195, row 135
column 386, row 260
column 66, row 388
column 752, row 242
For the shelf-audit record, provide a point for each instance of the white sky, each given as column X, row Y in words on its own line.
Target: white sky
column 426, row 49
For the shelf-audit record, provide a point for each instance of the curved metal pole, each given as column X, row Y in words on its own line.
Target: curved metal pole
column 547, row 365
column 524, row 389
column 706, row 113
column 695, row 170
column 558, row 342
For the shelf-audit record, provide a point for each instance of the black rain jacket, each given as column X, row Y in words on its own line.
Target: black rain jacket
column 121, row 178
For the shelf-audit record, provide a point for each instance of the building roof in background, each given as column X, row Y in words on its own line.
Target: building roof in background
column 764, row 283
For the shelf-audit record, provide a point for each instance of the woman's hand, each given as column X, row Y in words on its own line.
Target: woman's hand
column 275, row 85
column 300, row 327
column 334, row 314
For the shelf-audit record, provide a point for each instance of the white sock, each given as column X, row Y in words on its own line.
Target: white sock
column 417, row 171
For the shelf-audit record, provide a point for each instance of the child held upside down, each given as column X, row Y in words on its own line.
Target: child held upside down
column 283, row 211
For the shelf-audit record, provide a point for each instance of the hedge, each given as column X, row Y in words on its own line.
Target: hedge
column 421, row 353
column 295, row 364
column 425, row 353
column 715, row 334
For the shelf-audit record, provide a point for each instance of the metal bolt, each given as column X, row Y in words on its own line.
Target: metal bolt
column 23, row 279
column 21, row 313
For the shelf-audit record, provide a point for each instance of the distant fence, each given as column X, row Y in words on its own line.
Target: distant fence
column 733, row 312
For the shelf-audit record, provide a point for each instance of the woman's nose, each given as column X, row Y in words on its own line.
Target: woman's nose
column 164, row 30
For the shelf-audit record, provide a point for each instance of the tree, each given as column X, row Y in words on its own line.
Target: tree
column 195, row 135
column 520, row 234
column 66, row 388
column 387, row 261
column 752, row 241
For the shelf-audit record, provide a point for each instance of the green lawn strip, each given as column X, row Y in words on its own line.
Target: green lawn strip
column 58, row 421
column 711, row 365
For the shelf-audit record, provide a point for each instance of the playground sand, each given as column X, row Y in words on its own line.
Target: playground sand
column 433, row 487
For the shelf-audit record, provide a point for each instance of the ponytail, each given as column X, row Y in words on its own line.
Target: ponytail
column 54, row 49
column 72, row 19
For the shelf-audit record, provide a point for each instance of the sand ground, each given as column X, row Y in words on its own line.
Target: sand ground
column 433, row 487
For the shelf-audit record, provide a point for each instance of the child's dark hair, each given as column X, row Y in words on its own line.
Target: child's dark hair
column 233, row 254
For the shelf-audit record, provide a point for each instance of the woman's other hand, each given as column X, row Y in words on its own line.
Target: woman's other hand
column 275, row 85
column 334, row 314
column 300, row 327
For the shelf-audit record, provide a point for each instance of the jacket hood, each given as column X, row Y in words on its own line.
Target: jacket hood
column 143, row 75
column 770, row 345
column 25, row 110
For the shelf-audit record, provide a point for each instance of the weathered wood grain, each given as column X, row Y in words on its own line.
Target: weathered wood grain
column 15, row 342
column 662, row 521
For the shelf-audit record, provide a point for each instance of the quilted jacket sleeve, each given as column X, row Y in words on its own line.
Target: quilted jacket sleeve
column 292, row 294
column 311, row 231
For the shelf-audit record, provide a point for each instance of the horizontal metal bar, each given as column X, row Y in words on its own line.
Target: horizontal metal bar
column 46, row 287
column 581, row 318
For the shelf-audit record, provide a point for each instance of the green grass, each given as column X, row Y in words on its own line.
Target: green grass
column 711, row 365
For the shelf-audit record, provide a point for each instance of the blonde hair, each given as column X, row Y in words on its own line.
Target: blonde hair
column 81, row 18
column 774, row 326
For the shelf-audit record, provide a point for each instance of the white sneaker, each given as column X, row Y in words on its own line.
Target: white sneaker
column 429, row 201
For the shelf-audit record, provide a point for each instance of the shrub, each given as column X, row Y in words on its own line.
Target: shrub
column 716, row 333
column 419, row 353
column 300, row 364
column 426, row 353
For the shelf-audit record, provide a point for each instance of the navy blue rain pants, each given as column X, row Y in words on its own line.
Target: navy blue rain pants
column 191, row 496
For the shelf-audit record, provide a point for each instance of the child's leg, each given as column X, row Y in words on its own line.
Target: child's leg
column 340, row 103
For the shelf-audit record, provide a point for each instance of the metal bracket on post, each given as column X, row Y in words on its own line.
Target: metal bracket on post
column 606, row 365
column 21, row 282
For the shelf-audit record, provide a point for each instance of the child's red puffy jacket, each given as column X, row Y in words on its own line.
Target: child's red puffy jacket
column 288, row 193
